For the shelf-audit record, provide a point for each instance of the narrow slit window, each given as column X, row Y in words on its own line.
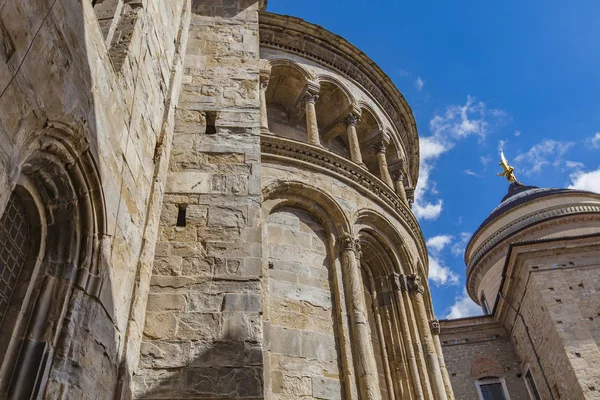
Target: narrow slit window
column 531, row 387
column 485, row 306
column 211, row 120
column 181, row 217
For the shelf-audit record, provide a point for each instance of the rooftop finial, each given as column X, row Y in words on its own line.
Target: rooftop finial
column 508, row 172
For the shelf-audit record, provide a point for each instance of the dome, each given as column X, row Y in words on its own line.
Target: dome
column 519, row 194
column 526, row 213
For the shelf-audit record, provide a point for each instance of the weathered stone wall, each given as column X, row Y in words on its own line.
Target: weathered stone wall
column 55, row 72
column 476, row 348
column 203, row 330
column 300, row 326
column 559, row 324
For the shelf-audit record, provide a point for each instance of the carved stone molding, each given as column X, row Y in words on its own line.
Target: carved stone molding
column 523, row 222
column 310, row 97
column 338, row 165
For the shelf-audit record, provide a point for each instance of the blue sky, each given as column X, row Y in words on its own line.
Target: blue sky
column 480, row 75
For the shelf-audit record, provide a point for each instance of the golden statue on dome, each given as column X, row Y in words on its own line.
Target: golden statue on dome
column 508, row 172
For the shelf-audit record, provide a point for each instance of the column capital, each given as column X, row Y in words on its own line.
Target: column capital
column 311, row 97
column 382, row 142
column 434, row 325
column 399, row 281
column 352, row 119
column 351, row 243
column 414, row 284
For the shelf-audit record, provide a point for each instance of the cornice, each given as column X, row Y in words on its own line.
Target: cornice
column 340, row 167
column 294, row 35
column 523, row 222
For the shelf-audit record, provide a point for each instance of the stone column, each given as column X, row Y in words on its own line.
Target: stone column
column 312, row 129
column 264, row 118
column 351, row 122
column 380, row 149
column 435, row 330
column 399, row 185
column 416, row 289
column 366, row 368
column 399, row 285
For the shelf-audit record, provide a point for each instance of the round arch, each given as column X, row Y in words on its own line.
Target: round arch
column 55, row 169
column 293, row 193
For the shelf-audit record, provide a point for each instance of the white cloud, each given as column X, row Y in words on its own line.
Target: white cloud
column 502, row 144
column 419, row 83
column 517, row 133
column 586, row 180
column 471, row 173
column 544, row 153
column 595, row 140
column 463, row 307
column 574, row 165
column 439, row 274
column 458, row 248
column 455, row 123
column 403, row 73
column 439, row 242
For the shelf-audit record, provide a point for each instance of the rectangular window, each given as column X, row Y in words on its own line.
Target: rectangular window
column 531, row 387
column 492, row 389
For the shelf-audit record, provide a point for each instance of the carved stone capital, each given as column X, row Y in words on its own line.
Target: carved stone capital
column 264, row 82
column 380, row 146
column 399, row 282
column 310, row 97
column 414, row 284
column 399, row 176
column 352, row 119
column 351, row 243
column 434, row 325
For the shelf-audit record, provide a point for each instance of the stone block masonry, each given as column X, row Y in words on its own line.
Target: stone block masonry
column 203, row 333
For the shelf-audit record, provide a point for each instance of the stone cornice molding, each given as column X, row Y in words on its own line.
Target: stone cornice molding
column 341, row 167
column 525, row 221
column 293, row 35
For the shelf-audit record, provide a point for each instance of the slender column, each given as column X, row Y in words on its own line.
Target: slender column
column 399, row 186
column 312, row 128
column 435, row 374
column 366, row 368
column 399, row 286
column 264, row 118
column 435, row 330
column 380, row 148
column 425, row 383
column 355, row 154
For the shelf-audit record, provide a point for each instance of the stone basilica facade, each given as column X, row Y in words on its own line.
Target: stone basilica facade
column 203, row 200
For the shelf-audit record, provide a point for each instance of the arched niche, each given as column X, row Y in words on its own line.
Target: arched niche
column 58, row 185
column 304, row 311
column 335, row 104
column 287, row 86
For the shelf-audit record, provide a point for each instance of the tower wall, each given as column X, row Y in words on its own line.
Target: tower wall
column 203, row 331
column 83, row 121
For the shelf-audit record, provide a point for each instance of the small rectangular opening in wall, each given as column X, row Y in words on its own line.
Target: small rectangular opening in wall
column 181, row 217
column 211, row 120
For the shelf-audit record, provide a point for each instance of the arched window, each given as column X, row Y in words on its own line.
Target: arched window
column 20, row 246
column 14, row 244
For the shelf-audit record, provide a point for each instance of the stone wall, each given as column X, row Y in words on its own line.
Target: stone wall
column 203, row 330
column 55, row 75
column 476, row 348
column 558, row 321
column 301, row 332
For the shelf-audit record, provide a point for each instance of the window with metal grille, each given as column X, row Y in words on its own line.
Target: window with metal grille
column 14, row 243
